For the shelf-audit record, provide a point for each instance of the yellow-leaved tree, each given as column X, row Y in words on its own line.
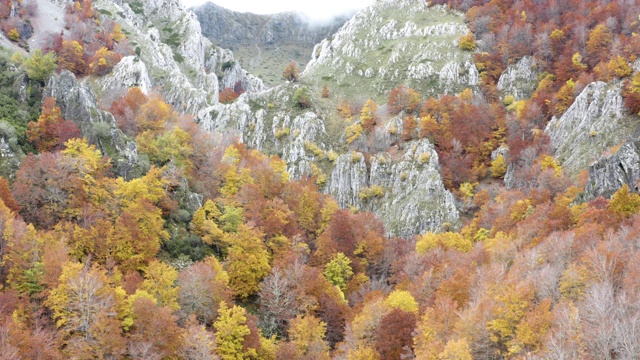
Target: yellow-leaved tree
column 231, row 330
column 402, row 300
column 498, row 167
column 368, row 115
column 456, row 350
column 159, row 282
column 204, row 223
column 307, row 335
column 247, row 260
column 624, row 203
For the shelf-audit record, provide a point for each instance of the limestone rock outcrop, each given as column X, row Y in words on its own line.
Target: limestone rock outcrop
column 594, row 122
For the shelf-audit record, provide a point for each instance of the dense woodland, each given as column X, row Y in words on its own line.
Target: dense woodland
column 97, row 266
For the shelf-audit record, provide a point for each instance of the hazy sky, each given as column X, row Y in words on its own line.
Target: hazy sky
column 315, row 9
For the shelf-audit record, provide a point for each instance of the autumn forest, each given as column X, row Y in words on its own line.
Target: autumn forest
column 208, row 249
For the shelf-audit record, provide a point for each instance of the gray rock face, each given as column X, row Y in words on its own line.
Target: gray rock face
column 129, row 72
column 348, row 178
column 415, row 200
column 78, row 103
column 608, row 174
column 593, row 123
column 519, row 79
column 174, row 56
column 272, row 129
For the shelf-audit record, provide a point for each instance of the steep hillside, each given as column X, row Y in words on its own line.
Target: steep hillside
column 172, row 55
column 395, row 42
column 263, row 44
column 312, row 139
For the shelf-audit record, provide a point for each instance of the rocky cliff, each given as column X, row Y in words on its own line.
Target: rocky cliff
column 172, row 55
column 609, row 173
column 264, row 44
column 520, row 79
column 594, row 122
column 79, row 104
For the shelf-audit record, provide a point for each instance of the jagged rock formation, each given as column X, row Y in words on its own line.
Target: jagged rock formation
column 413, row 199
column 519, row 79
column 79, row 104
column 129, row 72
column 264, row 43
column 270, row 122
column 608, row 174
column 186, row 68
column 595, row 122
column 395, row 42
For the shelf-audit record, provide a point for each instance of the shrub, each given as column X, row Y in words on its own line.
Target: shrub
column 325, row 92
column 353, row 132
column 291, row 72
column 375, row 191
column 227, row 95
column 282, row 133
column 467, row 42
column 14, row 35
column 498, row 167
column 314, row 149
column 301, row 98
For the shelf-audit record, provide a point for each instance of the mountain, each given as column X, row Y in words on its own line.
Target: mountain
column 264, row 44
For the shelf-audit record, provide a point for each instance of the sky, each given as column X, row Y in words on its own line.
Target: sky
column 316, row 10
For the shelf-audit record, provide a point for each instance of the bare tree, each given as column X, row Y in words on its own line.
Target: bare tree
column 278, row 302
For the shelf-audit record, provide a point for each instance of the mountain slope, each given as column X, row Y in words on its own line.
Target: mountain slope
column 264, row 43
column 391, row 43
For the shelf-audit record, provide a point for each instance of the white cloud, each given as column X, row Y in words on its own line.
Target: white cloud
column 315, row 9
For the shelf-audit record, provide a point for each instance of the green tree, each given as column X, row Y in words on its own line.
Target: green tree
column 38, row 67
column 338, row 271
